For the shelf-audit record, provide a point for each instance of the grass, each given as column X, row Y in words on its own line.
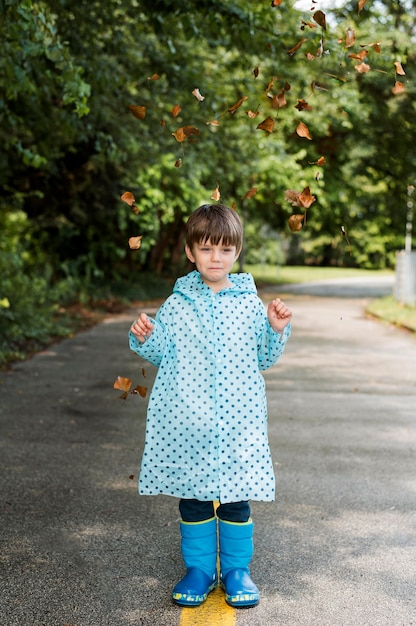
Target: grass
column 268, row 274
column 391, row 311
column 385, row 309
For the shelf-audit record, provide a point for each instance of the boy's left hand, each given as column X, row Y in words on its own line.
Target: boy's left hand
column 279, row 315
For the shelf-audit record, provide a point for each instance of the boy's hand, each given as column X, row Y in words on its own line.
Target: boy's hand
column 279, row 315
column 142, row 328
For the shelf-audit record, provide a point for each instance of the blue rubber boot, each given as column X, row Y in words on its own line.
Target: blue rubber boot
column 236, row 551
column 199, row 552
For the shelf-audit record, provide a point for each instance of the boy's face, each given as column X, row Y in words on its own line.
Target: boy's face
column 213, row 262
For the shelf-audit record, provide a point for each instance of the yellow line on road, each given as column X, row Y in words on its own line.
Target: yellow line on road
column 212, row 612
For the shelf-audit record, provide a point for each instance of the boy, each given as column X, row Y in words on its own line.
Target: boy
column 206, row 435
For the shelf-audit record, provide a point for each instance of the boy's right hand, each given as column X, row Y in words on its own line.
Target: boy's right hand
column 142, row 328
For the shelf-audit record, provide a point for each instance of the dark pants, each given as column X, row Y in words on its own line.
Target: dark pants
column 200, row 510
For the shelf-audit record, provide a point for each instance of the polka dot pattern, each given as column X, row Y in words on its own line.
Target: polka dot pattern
column 206, row 430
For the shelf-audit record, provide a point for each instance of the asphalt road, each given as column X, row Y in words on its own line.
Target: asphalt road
column 338, row 547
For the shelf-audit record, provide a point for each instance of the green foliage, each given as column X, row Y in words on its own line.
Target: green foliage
column 71, row 147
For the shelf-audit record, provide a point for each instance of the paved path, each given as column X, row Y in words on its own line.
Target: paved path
column 338, row 548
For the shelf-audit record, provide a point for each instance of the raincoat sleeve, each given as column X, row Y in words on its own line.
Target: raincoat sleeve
column 270, row 344
column 154, row 347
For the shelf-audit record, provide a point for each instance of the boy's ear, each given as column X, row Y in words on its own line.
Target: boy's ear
column 189, row 254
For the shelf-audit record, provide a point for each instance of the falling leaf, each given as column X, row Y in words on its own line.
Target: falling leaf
column 320, row 19
column 216, row 194
column 398, row 88
column 256, row 72
column 153, row 77
column 303, row 199
column 213, row 123
column 250, row 193
column 303, row 131
column 317, row 86
column 349, row 38
column 279, row 100
column 306, row 198
column 140, row 390
column 308, row 24
column 399, row 68
column 234, row 206
column 344, row 234
column 129, row 199
column 360, row 56
column 237, row 105
column 361, row 4
column 123, row 384
column 320, row 161
column 176, row 110
column 178, row 162
column 276, row 3
column 198, row 95
column 297, row 46
column 267, row 125
column 253, row 114
column 362, row 68
column 302, row 105
column 270, row 85
column 184, row 132
column 138, row 111
column 135, row 242
column 296, row 222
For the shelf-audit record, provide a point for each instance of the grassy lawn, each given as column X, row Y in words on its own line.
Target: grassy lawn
column 265, row 274
column 386, row 309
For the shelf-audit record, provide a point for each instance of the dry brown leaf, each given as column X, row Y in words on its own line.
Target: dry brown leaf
column 266, row 125
column 360, row 56
column 302, row 105
column 398, row 88
column 123, row 384
column 252, row 114
column 213, row 123
column 129, row 199
column 295, row 222
column 276, row 3
column 303, row 199
column 250, row 193
column 279, row 100
column 361, row 4
column 306, row 198
column 178, row 162
column 176, row 110
column 297, row 46
column 362, row 68
column 135, row 242
column 237, row 105
column 198, row 95
column 140, row 390
column 303, row 131
column 256, row 72
column 138, row 111
column 307, row 24
column 154, row 77
column 320, row 19
column 184, row 132
column 349, row 38
column 399, row 68
column 216, row 194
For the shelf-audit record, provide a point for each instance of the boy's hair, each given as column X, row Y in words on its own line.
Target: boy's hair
column 215, row 222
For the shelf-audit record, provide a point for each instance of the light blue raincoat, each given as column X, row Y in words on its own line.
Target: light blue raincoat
column 206, row 431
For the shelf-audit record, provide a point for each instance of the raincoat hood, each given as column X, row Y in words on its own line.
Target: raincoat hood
column 192, row 285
